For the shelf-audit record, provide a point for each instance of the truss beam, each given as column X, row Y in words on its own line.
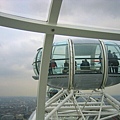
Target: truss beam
column 72, row 107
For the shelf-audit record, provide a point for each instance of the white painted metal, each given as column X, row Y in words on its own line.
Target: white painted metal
column 59, row 105
column 71, row 106
column 71, row 65
column 100, row 107
column 43, row 75
column 68, row 106
column 114, row 100
column 55, row 98
column 78, row 108
column 21, row 23
column 104, row 64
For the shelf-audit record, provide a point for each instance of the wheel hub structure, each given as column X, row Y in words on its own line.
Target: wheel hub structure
column 76, row 105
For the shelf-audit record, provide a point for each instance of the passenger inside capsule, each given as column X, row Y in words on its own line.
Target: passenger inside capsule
column 52, row 67
column 85, row 65
column 66, row 67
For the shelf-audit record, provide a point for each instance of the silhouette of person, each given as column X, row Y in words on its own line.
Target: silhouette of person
column 100, row 58
column 85, row 65
column 115, row 63
column 110, row 58
column 100, row 61
column 75, row 65
column 66, row 67
column 82, row 65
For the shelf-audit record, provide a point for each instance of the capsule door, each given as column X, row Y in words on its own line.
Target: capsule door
column 113, row 56
column 59, row 66
column 85, row 77
column 88, row 65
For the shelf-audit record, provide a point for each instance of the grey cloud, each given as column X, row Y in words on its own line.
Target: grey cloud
column 17, row 63
column 27, row 8
column 91, row 13
column 33, row 9
column 91, row 6
column 17, row 53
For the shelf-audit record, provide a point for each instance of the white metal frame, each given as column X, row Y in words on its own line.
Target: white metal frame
column 50, row 28
column 67, row 105
column 71, row 65
column 104, row 64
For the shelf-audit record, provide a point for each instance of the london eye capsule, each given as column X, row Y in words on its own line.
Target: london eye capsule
column 84, row 64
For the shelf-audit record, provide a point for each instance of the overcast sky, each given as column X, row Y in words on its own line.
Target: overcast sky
column 18, row 48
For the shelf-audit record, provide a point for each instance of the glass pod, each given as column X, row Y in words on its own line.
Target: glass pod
column 81, row 64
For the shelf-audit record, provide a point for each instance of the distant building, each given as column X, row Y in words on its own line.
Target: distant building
column 19, row 117
column 8, row 117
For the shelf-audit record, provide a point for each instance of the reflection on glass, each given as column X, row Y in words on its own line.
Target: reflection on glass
column 88, row 64
column 26, row 8
column 113, row 51
column 87, row 58
column 91, row 13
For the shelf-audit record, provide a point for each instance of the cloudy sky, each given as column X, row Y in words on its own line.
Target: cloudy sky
column 18, row 48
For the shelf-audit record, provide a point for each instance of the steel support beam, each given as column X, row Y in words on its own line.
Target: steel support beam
column 21, row 23
column 43, row 75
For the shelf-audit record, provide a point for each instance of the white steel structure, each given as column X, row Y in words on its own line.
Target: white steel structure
column 68, row 106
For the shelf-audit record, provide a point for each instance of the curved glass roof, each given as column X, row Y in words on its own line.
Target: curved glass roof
column 20, row 46
column 37, row 9
column 91, row 13
column 88, row 13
